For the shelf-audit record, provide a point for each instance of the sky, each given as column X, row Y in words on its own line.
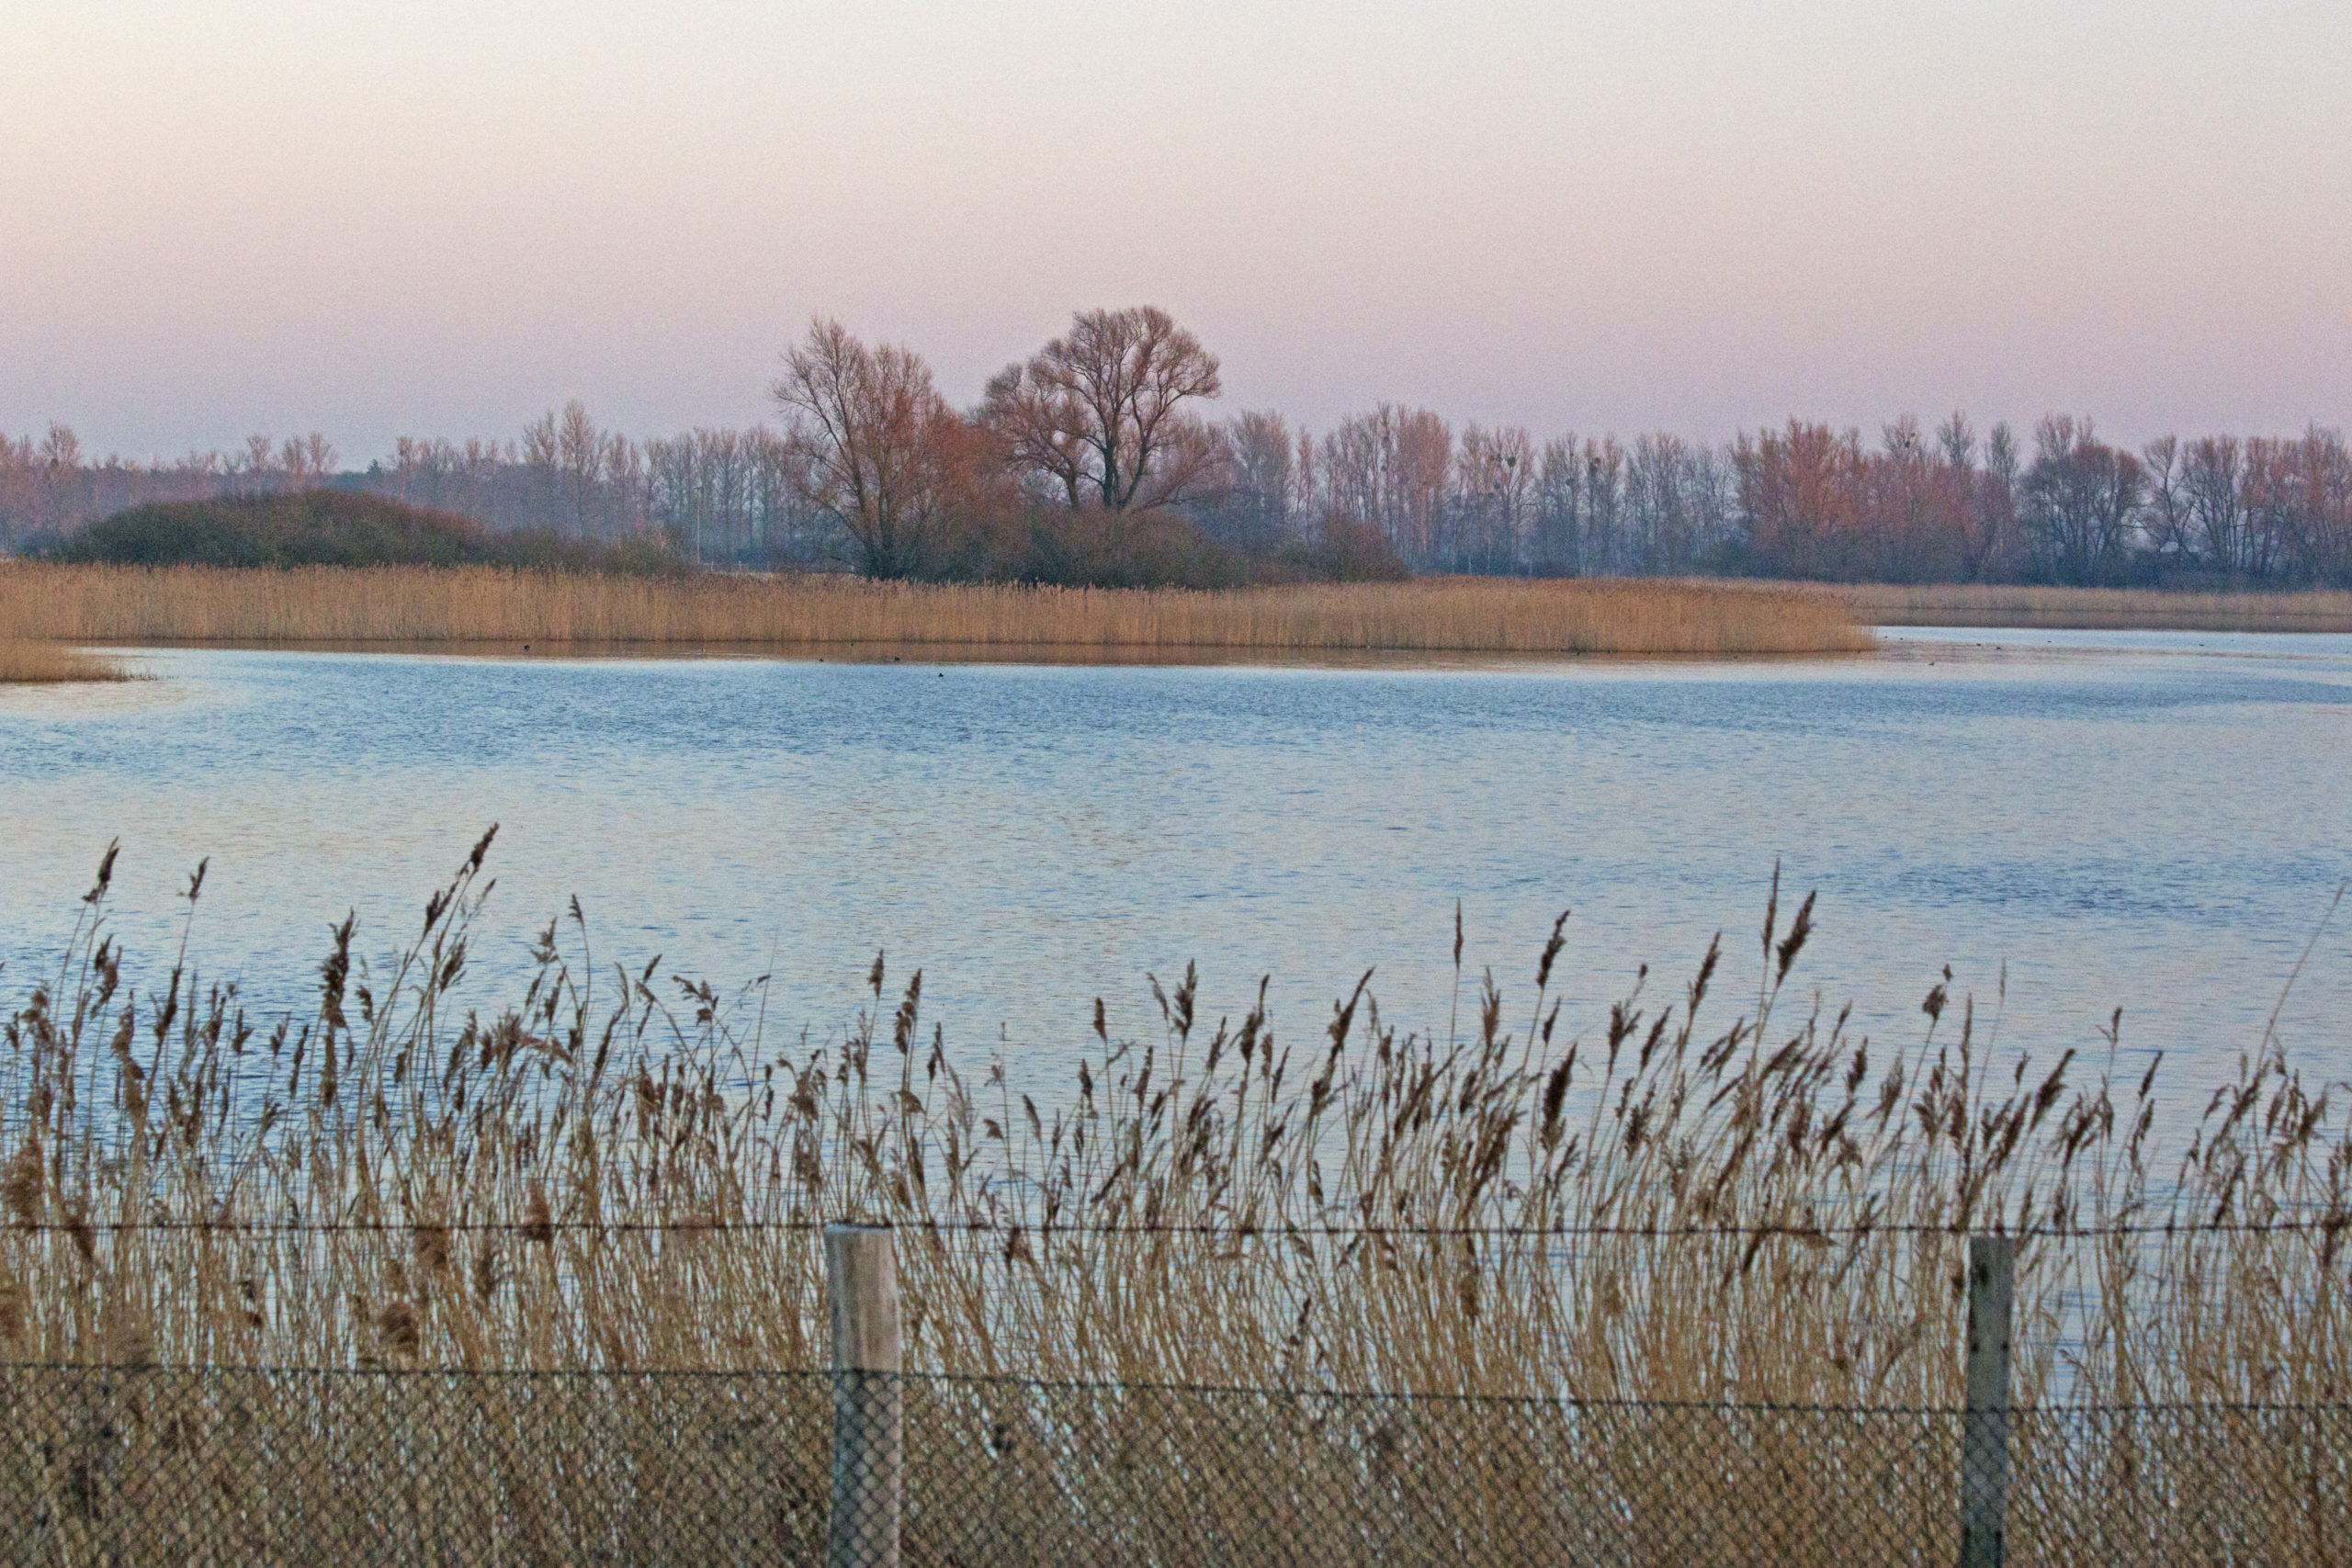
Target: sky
column 440, row 219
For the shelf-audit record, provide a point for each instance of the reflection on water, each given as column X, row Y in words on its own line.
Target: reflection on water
column 2151, row 822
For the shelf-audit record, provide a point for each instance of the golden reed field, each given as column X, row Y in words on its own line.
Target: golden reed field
column 1982, row 605
column 25, row 662
column 106, row 604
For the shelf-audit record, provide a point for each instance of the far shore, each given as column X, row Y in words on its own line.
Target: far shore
column 54, row 616
column 416, row 606
column 2090, row 609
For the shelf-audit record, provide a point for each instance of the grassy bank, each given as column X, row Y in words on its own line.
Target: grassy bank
column 1977, row 605
column 413, row 605
column 26, row 662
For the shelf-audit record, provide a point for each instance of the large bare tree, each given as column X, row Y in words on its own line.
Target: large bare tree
column 2080, row 501
column 1099, row 413
column 874, row 442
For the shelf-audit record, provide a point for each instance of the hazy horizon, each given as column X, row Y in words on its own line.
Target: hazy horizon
column 436, row 220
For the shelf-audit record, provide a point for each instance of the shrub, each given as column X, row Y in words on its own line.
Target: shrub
column 324, row 527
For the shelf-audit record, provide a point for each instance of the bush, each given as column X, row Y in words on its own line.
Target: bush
column 321, row 527
column 1348, row 551
column 1137, row 549
column 1095, row 548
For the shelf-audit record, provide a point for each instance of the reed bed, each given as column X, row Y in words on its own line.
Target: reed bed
column 617, row 1171
column 468, row 1243
column 424, row 605
column 1980, row 604
column 26, row 662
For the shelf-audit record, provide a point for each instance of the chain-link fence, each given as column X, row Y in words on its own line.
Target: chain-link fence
column 219, row 1466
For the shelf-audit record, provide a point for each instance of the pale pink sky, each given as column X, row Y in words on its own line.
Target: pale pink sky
column 440, row 219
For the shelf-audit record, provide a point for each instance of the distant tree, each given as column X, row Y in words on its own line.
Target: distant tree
column 1994, row 545
column 2164, row 521
column 1099, row 415
column 874, row 443
column 1916, row 513
column 2314, row 476
column 1603, row 544
column 2213, row 476
column 307, row 459
column 1558, row 536
column 1394, row 469
column 1493, row 500
column 255, row 471
column 1679, row 497
column 1253, row 504
column 2081, row 499
column 61, row 450
column 1801, row 499
column 580, row 464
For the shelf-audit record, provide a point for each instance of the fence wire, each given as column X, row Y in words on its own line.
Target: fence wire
column 193, row 1467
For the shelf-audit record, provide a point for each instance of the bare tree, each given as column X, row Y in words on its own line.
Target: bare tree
column 254, row 471
column 1254, row 505
column 1393, row 468
column 307, row 459
column 1098, row 414
column 2317, row 539
column 2082, row 497
column 1660, row 528
column 2213, row 476
column 1494, row 491
column 2165, row 519
column 1802, row 496
column 1956, row 440
column 1994, row 516
column 874, row 443
column 580, row 463
column 1559, row 539
column 62, row 449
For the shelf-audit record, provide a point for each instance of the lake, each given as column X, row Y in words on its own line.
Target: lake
column 2152, row 821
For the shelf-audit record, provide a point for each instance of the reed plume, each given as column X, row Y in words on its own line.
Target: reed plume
column 1708, row 1198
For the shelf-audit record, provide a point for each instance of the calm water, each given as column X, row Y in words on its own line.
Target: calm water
column 2152, row 821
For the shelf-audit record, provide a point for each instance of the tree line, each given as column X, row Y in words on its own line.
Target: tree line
column 1097, row 459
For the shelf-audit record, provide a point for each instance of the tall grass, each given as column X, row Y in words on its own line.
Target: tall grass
column 126, row 605
column 25, row 662
column 1713, row 1199
column 389, row 1235
column 1980, row 604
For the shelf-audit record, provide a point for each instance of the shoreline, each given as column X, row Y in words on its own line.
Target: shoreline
column 485, row 606
column 1050, row 655
column 2024, row 608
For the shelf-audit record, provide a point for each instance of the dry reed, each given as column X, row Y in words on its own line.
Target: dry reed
column 413, row 605
column 26, row 662
column 1176, row 1212
column 1980, row 604
column 618, row 1175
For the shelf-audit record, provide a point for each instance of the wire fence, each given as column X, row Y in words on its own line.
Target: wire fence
column 2327, row 1225
column 221, row 1465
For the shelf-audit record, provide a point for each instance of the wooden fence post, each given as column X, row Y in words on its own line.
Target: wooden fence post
column 1984, row 1435
column 869, row 1414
